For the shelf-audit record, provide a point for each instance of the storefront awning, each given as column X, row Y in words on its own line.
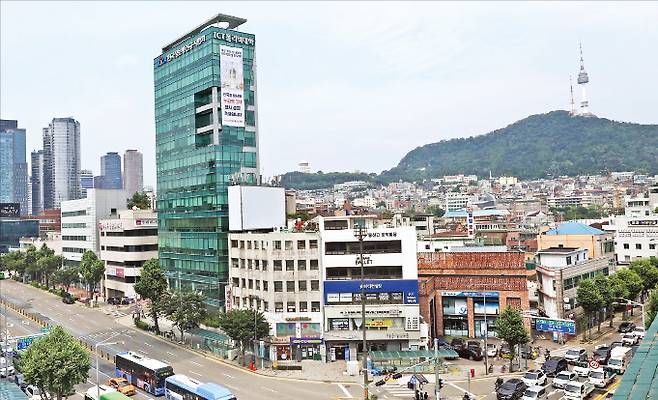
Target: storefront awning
column 409, row 354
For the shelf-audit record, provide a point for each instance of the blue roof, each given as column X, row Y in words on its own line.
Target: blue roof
column 476, row 213
column 574, row 228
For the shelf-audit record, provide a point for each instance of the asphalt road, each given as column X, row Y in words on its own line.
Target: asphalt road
column 95, row 327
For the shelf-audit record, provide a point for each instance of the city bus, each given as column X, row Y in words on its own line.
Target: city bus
column 181, row 387
column 143, row 372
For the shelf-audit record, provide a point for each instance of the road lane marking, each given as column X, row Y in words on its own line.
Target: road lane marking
column 348, row 394
column 229, row 376
column 271, row 390
column 196, row 363
column 149, row 345
column 195, row 373
column 463, row 390
column 171, row 354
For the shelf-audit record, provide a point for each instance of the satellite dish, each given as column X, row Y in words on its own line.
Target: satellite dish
column 566, row 299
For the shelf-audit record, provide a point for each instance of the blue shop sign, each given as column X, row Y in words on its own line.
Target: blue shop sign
column 295, row 340
column 551, row 325
column 408, row 288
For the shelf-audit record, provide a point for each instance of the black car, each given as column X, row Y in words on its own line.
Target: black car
column 602, row 354
column 511, row 390
column 68, row 298
column 554, row 366
column 626, row 327
column 457, row 343
column 470, row 353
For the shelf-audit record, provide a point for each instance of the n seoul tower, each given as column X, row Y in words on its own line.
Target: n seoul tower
column 582, row 81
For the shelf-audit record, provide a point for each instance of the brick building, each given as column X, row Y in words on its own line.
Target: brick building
column 456, row 289
column 49, row 221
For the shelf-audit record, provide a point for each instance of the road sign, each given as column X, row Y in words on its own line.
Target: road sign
column 594, row 364
column 554, row 325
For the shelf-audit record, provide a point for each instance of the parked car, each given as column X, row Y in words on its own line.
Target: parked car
column 639, row 332
column 474, row 344
column 582, row 370
column 534, row 377
column 616, row 343
column 601, row 378
column 626, row 327
column 457, row 343
column 576, row 355
column 601, row 354
column 122, row 385
column 492, row 350
column 504, row 350
column 534, row 393
column 513, row 389
column 629, row 339
column 554, row 366
column 470, row 353
column 578, row 390
column 563, row 378
column 33, row 393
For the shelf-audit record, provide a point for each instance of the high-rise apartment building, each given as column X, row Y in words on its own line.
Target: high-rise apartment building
column 37, row 181
column 206, row 138
column 110, row 171
column 86, row 182
column 13, row 166
column 133, row 171
column 61, row 155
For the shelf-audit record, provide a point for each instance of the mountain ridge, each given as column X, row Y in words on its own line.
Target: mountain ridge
column 538, row 146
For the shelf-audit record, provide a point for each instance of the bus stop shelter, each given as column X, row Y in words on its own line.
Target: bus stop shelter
column 408, row 358
column 11, row 391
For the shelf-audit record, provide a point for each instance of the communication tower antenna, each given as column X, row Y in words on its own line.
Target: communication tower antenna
column 573, row 104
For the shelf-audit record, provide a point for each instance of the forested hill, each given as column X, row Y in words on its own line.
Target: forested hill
column 554, row 143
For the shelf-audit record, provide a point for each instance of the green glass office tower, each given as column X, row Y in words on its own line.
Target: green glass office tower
column 206, row 138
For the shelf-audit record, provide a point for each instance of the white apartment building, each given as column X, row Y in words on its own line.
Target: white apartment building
column 393, row 319
column 126, row 243
column 279, row 274
column 559, row 269
column 636, row 232
column 457, row 201
column 80, row 221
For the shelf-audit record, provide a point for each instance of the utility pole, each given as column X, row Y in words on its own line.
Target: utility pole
column 360, row 232
column 437, row 385
column 486, row 333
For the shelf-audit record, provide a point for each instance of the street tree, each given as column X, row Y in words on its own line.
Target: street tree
column 139, row 200
column 48, row 266
column 618, row 290
column 648, row 273
column 589, row 298
column 242, row 326
column 186, row 310
column 652, row 308
column 512, row 330
column 607, row 298
column 66, row 277
column 152, row 285
column 633, row 282
column 91, row 270
column 30, row 259
column 55, row 364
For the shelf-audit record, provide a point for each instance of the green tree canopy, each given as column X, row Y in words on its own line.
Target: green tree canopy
column 511, row 329
column 186, row 310
column 55, row 364
column 239, row 325
column 652, row 308
column 91, row 270
column 66, row 277
column 632, row 280
column 48, row 265
column 139, row 200
column 648, row 272
column 435, row 211
column 152, row 285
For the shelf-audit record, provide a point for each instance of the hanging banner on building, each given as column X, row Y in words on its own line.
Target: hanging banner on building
column 552, row 325
column 230, row 63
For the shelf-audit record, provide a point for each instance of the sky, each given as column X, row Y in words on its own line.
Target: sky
column 344, row 86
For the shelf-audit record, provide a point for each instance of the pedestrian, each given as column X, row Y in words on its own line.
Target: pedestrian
column 417, row 395
column 426, row 396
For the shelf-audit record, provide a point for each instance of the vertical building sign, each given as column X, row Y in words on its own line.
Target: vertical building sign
column 470, row 223
column 230, row 61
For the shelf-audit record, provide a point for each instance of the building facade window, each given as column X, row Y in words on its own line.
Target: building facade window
column 278, row 286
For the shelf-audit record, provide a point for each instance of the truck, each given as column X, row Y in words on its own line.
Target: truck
column 578, row 390
column 601, row 377
column 619, row 359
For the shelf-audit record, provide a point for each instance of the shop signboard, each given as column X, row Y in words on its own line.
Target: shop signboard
column 451, row 293
column 404, row 290
column 304, row 340
column 553, row 325
column 379, row 323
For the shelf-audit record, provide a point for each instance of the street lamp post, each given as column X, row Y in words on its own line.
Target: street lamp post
column 360, row 232
column 96, row 346
column 486, row 333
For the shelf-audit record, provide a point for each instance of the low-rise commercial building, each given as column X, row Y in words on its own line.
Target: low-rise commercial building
column 578, row 235
column 126, row 242
column 80, row 220
column 459, row 290
column 636, row 232
column 559, row 269
column 279, row 274
column 12, row 230
column 392, row 318
column 49, row 221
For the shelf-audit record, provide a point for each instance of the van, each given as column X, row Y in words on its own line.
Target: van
column 94, row 392
column 619, row 359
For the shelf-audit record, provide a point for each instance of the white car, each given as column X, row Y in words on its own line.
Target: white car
column 534, row 377
column 629, row 339
column 492, row 350
column 582, row 371
column 639, row 332
column 534, row 393
column 563, row 378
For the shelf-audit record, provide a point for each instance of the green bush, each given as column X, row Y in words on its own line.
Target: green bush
column 142, row 325
column 212, row 320
column 16, row 278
